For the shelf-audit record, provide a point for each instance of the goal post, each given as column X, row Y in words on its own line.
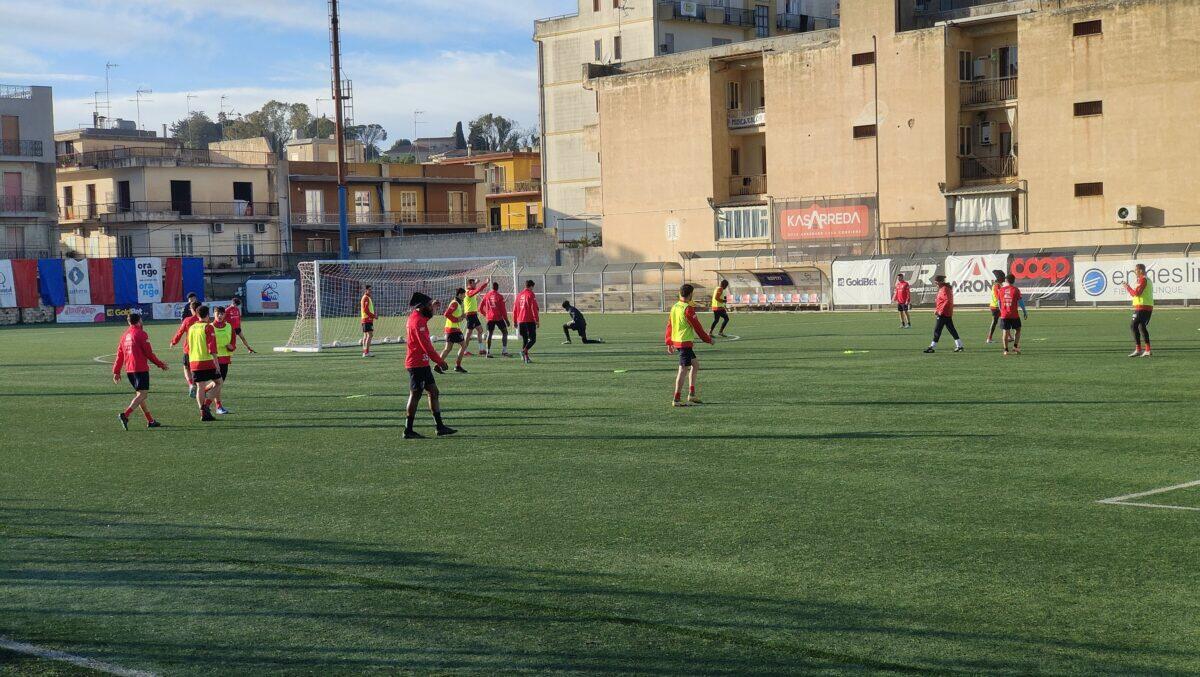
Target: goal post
column 327, row 309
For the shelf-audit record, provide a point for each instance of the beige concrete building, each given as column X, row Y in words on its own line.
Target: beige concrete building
column 997, row 125
column 616, row 31
column 323, row 150
column 27, row 214
column 132, row 193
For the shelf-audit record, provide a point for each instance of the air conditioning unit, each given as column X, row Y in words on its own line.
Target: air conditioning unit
column 217, row 228
column 260, row 228
column 687, row 8
column 1129, row 214
column 985, row 133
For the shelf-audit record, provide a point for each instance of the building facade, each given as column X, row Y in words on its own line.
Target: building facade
column 995, row 125
column 323, row 150
column 616, row 31
column 27, row 212
column 512, row 188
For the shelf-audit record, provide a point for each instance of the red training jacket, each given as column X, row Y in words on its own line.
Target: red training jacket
column 525, row 308
column 903, row 292
column 493, row 307
column 182, row 331
column 134, row 352
column 945, row 301
column 418, row 349
column 1009, row 297
column 233, row 316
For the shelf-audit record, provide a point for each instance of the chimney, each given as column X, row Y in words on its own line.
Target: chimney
column 95, row 120
column 164, row 130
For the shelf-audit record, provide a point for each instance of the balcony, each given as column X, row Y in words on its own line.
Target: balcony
column 682, row 10
column 156, row 156
column 755, row 184
column 514, row 187
column 167, row 210
column 801, row 23
column 995, row 168
column 19, row 148
column 744, row 119
column 988, row 91
column 386, row 220
column 16, row 205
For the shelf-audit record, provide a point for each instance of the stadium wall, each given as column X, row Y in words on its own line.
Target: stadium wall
column 530, row 247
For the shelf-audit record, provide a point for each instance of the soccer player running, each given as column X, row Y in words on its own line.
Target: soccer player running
column 720, row 313
column 683, row 328
column 189, row 319
column 454, row 325
column 944, row 312
column 419, row 351
column 994, row 302
column 470, row 306
column 1010, row 299
column 578, row 323
column 902, row 295
column 134, row 355
column 527, row 318
column 367, row 317
column 202, row 350
column 496, row 312
column 233, row 315
column 226, row 345
column 1142, row 294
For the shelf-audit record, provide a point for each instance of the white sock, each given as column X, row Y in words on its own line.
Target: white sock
column 957, row 343
column 933, row 344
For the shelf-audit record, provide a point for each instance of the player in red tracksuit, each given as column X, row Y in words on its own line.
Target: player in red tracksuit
column 134, row 355
column 419, row 351
column 189, row 319
column 944, row 312
column 903, row 298
column 1011, row 301
column 525, row 314
column 496, row 313
column 233, row 315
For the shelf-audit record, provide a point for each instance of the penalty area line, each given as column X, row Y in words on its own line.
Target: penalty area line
column 63, row 657
column 103, row 359
column 1130, row 499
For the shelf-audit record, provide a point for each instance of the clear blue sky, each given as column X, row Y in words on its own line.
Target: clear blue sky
column 453, row 59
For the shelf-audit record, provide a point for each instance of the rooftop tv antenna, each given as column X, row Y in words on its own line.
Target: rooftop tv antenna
column 137, row 100
column 191, row 96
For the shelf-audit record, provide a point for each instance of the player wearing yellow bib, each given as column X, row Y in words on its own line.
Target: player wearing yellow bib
column 994, row 303
column 455, row 321
column 1142, row 295
column 718, row 308
column 202, row 350
column 470, row 304
column 226, row 344
column 683, row 328
column 367, row 317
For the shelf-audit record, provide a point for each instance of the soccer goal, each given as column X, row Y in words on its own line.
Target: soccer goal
column 327, row 311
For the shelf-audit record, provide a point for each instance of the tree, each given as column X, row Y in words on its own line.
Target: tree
column 493, row 133
column 370, row 135
column 319, row 128
column 460, row 141
column 196, row 130
column 276, row 121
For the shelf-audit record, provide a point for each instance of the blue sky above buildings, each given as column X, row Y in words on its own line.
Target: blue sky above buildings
column 452, row 59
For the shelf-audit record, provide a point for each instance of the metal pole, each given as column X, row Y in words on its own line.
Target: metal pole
column 602, row 289
column 339, row 132
column 631, row 306
column 662, row 290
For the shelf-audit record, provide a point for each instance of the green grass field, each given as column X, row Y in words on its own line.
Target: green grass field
column 823, row 512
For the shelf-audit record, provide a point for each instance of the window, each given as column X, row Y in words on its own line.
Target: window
column 125, row 245
column 735, row 96
column 864, row 131
column 408, row 206
column 314, row 206
column 458, row 205
column 966, row 67
column 964, row 141
column 93, row 245
column 183, row 244
column 318, row 244
column 758, row 93
column 245, row 248
column 764, row 160
column 717, row 42
column 762, row 21
column 1008, row 61
column 15, row 239
column 616, row 48
column 1089, row 108
column 862, row 59
column 599, row 46
column 743, row 223
column 616, row 4
column 362, row 206
column 595, row 5
column 735, row 161
column 1093, row 189
column 668, row 46
column 1082, row 28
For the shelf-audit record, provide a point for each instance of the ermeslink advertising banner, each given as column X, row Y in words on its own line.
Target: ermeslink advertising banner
column 1043, row 277
column 862, row 283
column 1174, row 279
column 972, row 277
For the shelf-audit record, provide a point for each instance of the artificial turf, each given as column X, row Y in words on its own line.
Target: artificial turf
column 823, row 512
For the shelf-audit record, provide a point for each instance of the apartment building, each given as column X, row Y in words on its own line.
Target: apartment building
column 27, row 213
column 129, row 192
column 914, row 126
column 383, row 200
column 512, row 188
column 616, row 31
column 323, row 150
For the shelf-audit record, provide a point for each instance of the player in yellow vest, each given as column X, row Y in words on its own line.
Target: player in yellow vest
column 1142, row 295
column 994, row 302
column 470, row 304
column 683, row 328
column 455, row 321
column 226, row 344
column 367, row 316
column 202, row 350
column 718, row 308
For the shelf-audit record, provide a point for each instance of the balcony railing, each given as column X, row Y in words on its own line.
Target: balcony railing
column 732, row 16
column 795, row 22
column 740, row 119
column 526, row 186
column 324, row 221
column 939, row 6
column 988, row 90
column 23, row 203
column 168, row 210
column 755, row 184
column 21, row 148
column 163, row 156
column 995, row 167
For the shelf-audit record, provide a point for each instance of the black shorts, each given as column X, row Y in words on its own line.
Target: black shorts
column 575, row 326
column 368, row 326
column 686, row 356
column 473, row 322
column 205, row 375
column 527, row 330
column 902, row 307
column 493, row 325
column 224, row 369
column 420, row 378
column 454, row 337
column 1010, row 324
column 1142, row 316
column 996, row 313
column 720, row 312
column 140, row 380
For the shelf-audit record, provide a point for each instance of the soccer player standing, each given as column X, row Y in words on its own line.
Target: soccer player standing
column 994, row 302
column 134, row 355
column 683, row 328
column 1142, row 294
column 578, row 323
column 525, row 314
column 718, row 308
column 1010, row 299
column 419, row 351
column 944, row 314
column 496, row 312
column 902, row 295
column 367, row 317
column 202, row 350
column 454, row 325
column 233, row 315
column 226, row 345
column 189, row 319
column 471, row 307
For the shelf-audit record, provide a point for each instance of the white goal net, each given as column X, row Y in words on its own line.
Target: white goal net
column 327, row 311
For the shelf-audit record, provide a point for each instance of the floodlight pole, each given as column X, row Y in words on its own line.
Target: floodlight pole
column 339, row 132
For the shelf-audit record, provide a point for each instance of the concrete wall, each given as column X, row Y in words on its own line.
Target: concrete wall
column 531, row 247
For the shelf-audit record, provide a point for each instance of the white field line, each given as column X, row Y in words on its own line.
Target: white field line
column 78, row 661
column 104, row 359
column 1128, row 499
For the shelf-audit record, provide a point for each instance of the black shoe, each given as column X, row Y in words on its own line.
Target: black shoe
column 444, row 430
column 460, row 370
column 413, row 435
column 153, row 424
column 929, row 349
column 124, row 420
column 206, row 415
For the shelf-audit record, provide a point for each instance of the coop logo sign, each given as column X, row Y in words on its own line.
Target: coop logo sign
column 849, row 222
column 862, row 283
column 1044, row 277
column 971, row 276
column 1175, row 279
